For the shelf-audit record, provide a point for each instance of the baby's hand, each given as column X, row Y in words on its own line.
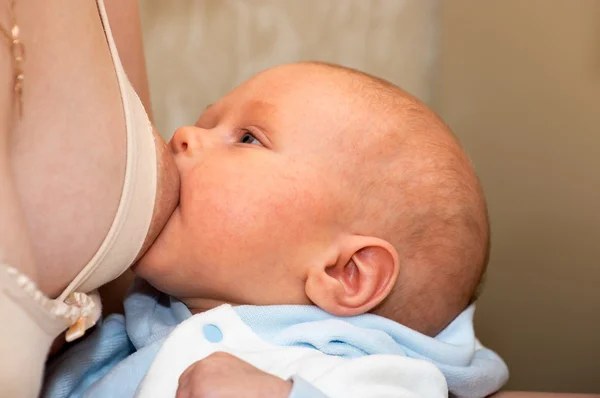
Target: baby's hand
column 221, row 375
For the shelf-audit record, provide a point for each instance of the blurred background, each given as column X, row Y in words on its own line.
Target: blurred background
column 518, row 82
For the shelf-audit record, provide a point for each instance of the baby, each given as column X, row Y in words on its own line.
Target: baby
column 311, row 185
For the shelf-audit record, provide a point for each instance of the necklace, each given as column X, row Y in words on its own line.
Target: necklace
column 18, row 52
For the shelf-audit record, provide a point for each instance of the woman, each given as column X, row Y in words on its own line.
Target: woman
column 86, row 183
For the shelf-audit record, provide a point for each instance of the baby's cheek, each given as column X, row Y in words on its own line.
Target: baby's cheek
column 221, row 220
column 252, row 220
column 234, row 212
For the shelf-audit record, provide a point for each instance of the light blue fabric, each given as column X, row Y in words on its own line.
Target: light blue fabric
column 469, row 372
column 303, row 389
column 113, row 360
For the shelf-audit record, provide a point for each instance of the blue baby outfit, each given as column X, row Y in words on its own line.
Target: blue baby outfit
column 114, row 359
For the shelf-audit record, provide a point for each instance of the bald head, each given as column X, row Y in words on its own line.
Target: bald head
column 414, row 186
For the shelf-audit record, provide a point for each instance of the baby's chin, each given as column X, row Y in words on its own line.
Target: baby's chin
column 155, row 268
column 167, row 194
column 146, row 266
column 151, row 269
column 158, row 260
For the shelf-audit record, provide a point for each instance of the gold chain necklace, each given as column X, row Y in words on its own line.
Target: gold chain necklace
column 18, row 52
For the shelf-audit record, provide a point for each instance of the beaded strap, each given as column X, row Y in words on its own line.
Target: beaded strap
column 79, row 310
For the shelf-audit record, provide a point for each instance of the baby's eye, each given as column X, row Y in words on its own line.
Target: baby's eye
column 250, row 139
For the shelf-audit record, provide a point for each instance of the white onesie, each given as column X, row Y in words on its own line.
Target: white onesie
column 221, row 329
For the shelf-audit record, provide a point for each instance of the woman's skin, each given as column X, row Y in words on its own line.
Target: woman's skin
column 62, row 164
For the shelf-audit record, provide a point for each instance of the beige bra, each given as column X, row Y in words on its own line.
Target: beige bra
column 134, row 214
column 30, row 321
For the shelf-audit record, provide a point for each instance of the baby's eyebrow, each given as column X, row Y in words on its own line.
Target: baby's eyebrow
column 260, row 105
column 204, row 115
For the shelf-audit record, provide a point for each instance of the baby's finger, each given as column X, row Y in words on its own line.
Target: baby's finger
column 183, row 392
column 184, row 379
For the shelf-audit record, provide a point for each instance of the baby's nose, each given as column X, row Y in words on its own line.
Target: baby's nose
column 186, row 140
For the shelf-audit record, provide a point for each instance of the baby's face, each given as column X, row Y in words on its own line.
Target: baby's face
column 259, row 194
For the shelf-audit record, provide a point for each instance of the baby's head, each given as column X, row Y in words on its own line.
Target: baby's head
column 315, row 184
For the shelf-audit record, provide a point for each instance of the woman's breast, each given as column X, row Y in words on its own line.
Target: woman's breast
column 69, row 150
column 167, row 191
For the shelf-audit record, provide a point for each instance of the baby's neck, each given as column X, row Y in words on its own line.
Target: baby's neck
column 198, row 305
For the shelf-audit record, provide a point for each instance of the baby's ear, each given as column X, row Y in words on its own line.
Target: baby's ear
column 363, row 273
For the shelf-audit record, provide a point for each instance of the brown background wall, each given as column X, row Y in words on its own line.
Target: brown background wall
column 519, row 82
column 198, row 50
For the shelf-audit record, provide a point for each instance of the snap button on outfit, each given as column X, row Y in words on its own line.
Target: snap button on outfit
column 212, row 333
